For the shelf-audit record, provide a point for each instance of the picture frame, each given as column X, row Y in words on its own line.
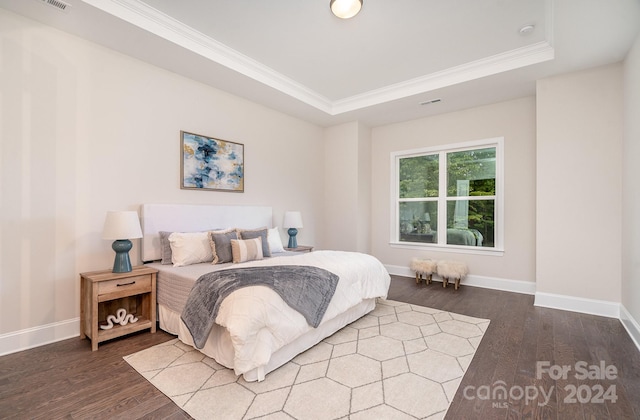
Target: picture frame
column 210, row 164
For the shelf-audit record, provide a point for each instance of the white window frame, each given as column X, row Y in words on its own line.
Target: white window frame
column 442, row 246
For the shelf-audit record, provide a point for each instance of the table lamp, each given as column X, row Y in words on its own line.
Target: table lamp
column 122, row 226
column 292, row 221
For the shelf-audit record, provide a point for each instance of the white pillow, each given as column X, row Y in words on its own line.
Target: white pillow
column 190, row 248
column 275, row 243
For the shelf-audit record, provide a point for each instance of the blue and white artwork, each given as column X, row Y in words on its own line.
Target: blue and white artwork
column 211, row 164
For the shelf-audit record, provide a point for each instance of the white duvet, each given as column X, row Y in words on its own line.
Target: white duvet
column 259, row 322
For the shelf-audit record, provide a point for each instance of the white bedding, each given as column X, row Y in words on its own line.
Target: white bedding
column 254, row 323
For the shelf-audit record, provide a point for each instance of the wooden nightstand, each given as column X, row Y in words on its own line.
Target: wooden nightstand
column 300, row 248
column 102, row 293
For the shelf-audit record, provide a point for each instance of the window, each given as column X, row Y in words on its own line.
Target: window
column 449, row 197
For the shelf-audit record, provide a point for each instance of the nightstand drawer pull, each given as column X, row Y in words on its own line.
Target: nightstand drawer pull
column 126, row 284
column 133, row 284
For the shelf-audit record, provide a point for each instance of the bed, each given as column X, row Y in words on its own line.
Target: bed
column 255, row 331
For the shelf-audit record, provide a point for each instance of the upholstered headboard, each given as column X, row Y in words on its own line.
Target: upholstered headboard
column 194, row 218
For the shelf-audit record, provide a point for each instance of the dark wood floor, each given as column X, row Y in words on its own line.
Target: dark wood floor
column 519, row 336
column 67, row 380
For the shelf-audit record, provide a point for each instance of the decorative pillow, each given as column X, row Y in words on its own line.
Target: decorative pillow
column 246, row 250
column 257, row 233
column 220, row 245
column 275, row 242
column 165, row 247
column 189, row 248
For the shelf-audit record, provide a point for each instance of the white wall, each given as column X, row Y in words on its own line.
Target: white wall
column 631, row 185
column 347, row 194
column 513, row 120
column 579, row 187
column 86, row 130
column 364, row 189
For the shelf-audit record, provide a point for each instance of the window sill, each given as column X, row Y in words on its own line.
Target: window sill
column 453, row 249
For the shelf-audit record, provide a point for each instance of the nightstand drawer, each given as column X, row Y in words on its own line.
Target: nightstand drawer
column 128, row 285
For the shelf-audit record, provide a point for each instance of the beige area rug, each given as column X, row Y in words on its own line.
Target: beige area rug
column 401, row 361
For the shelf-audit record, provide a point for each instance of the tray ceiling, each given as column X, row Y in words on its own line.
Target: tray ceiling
column 377, row 67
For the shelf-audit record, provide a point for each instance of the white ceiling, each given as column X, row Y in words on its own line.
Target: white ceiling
column 295, row 56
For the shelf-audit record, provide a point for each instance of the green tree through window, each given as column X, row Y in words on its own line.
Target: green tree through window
column 454, row 188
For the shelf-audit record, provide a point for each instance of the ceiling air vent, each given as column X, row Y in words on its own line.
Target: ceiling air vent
column 432, row 101
column 60, row 5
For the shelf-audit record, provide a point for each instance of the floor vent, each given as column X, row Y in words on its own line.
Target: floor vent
column 60, row 5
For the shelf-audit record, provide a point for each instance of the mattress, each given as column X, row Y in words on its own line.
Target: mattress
column 254, row 350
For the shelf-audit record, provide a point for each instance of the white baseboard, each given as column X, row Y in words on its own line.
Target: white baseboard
column 576, row 304
column 34, row 337
column 38, row 336
column 516, row 286
column 631, row 325
column 548, row 300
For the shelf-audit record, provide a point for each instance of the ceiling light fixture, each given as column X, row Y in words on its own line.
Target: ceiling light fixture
column 345, row 9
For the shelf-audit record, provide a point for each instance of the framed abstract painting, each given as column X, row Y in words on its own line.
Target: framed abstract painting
column 211, row 164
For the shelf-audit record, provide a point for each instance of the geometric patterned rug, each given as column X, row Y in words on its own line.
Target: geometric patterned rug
column 400, row 361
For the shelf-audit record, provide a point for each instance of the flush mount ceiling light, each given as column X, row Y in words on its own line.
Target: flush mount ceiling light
column 345, row 9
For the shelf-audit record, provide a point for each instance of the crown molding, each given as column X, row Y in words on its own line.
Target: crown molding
column 510, row 60
column 154, row 21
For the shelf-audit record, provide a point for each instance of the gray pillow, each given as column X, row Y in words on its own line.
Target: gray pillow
column 221, row 245
column 258, row 233
column 165, row 247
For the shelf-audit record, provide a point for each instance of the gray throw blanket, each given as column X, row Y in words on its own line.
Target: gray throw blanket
column 306, row 289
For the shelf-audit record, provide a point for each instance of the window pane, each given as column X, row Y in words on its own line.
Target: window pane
column 419, row 176
column 471, row 173
column 419, row 221
column 471, row 222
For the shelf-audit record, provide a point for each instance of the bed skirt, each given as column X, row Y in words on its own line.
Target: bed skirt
column 219, row 348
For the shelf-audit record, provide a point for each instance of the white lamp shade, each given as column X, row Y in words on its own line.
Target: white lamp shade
column 292, row 219
column 345, row 9
column 122, row 225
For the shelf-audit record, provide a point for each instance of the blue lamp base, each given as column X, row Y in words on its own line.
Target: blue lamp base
column 293, row 242
column 122, row 263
